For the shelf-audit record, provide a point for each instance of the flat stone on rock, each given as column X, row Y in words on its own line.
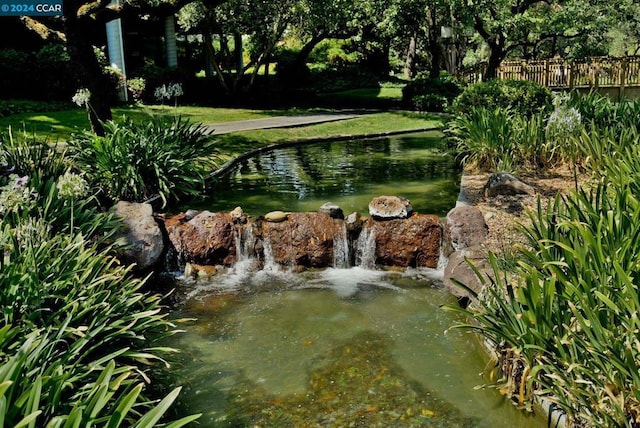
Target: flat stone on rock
column 141, row 232
column 276, row 216
column 390, row 207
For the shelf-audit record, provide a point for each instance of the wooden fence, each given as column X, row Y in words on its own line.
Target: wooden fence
column 592, row 72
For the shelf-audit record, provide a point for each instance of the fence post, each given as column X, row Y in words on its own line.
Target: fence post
column 596, row 73
column 570, row 73
column 623, row 77
column 545, row 77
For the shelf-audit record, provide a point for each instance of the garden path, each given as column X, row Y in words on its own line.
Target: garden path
column 278, row 122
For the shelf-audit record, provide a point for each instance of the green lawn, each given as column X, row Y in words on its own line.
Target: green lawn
column 59, row 125
column 239, row 142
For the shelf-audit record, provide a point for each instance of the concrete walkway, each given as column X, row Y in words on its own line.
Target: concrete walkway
column 277, row 122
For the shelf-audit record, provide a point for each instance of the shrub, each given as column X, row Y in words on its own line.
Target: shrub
column 77, row 331
column 521, row 96
column 427, row 94
column 9, row 107
column 136, row 161
column 484, row 138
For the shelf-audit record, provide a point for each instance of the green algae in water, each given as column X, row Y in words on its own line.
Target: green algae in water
column 360, row 385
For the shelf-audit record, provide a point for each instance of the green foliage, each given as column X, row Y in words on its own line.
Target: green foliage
column 427, row 94
column 76, row 327
column 136, row 161
column 484, row 138
column 521, row 96
column 566, row 316
column 42, row 75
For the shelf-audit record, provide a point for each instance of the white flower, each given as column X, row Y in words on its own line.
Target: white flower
column 173, row 90
column 82, row 97
column 72, row 186
column 31, row 231
column 564, row 120
column 17, row 195
column 161, row 93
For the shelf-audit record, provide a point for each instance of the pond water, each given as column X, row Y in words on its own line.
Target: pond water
column 348, row 174
column 334, row 347
column 337, row 347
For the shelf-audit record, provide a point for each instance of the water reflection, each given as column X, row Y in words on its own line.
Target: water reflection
column 349, row 174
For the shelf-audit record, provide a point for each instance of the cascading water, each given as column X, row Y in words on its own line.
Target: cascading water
column 341, row 255
column 366, row 249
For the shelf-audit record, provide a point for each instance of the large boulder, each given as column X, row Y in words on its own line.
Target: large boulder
column 303, row 239
column 464, row 227
column 502, row 183
column 142, row 234
column 390, row 207
column 414, row 241
column 206, row 239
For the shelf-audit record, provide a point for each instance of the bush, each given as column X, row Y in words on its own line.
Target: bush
column 484, row 138
column 136, row 161
column 521, row 96
column 76, row 335
column 428, row 94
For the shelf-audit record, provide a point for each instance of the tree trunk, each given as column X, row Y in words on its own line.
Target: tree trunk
column 239, row 51
column 409, row 63
column 435, row 49
column 495, row 59
column 89, row 73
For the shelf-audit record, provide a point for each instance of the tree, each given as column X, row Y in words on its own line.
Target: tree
column 263, row 22
column 508, row 26
column 79, row 21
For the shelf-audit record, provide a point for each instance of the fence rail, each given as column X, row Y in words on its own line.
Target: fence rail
column 592, row 72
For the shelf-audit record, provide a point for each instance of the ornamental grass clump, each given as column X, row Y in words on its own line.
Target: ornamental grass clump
column 137, row 161
column 566, row 318
column 77, row 334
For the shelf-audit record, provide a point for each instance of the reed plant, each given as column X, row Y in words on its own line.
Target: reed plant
column 565, row 319
column 484, row 137
column 136, row 161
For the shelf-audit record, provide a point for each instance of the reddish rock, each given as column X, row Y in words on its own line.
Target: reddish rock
column 303, row 239
column 414, row 241
column 207, row 239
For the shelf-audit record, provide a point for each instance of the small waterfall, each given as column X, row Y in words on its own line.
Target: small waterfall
column 366, row 249
column 341, row 259
column 269, row 261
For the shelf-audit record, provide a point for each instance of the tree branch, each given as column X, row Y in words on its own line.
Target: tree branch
column 43, row 30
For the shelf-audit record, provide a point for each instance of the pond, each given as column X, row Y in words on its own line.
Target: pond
column 340, row 346
column 336, row 347
column 348, row 174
